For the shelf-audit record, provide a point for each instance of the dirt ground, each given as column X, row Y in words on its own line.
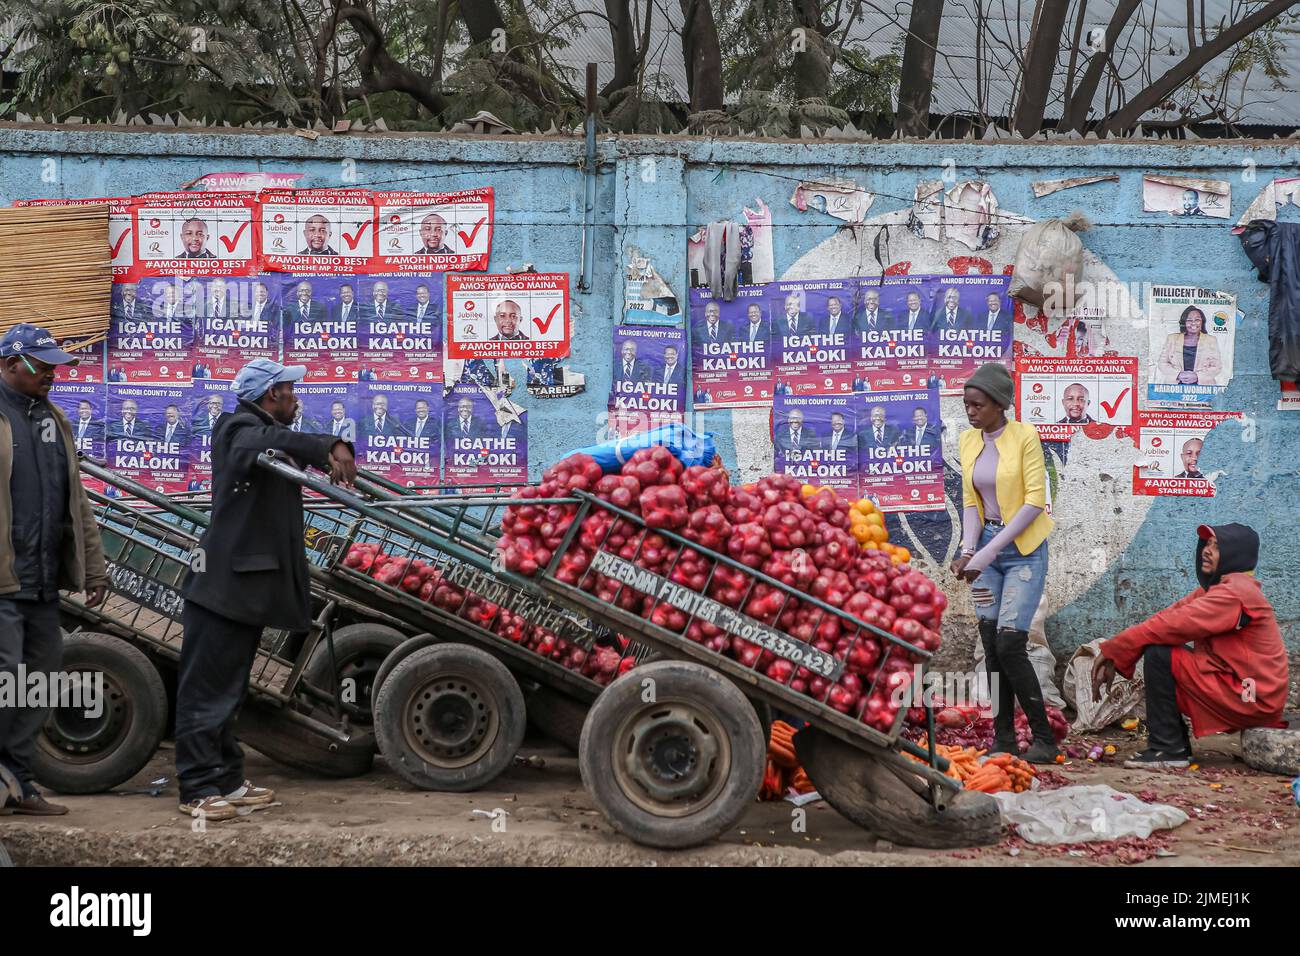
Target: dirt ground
column 1238, row 817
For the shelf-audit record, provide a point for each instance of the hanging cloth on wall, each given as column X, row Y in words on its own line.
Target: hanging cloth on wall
column 1274, row 250
column 722, row 258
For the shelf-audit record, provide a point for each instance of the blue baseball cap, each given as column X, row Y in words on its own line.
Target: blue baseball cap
column 27, row 339
column 252, row 381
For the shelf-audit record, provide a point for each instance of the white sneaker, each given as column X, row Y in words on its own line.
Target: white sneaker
column 250, row 796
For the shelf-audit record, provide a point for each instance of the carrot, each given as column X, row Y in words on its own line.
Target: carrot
column 1001, row 760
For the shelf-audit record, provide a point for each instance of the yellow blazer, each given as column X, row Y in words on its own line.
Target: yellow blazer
column 1021, row 478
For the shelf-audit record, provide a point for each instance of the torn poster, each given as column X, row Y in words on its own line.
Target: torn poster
column 547, row 378
column 1288, row 398
column 243, row 182
column 842, row 198
column 1045, row 187
column 1059, row 396
column 1187, row 197
column 1278, row 193
column 1191, row 340
column 967, row 213
column 647, row 298
column 1169, row 453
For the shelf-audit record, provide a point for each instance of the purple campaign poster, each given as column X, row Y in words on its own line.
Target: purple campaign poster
column 399, row 428
column 150, row 332
column 814, row 438
column 91, row 367
column 83, row 404
column 235, row 321
column 478, row 449
column 209, row 400
column 812, row 330
column 649, row 370
column 731, row 358
column 327, row 410
column 890, row 333
column 321, row 321
column 401, row 328
column 147, row 437
column 972, row 323
column 900, row 449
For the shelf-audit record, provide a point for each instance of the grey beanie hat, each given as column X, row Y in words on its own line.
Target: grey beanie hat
column 994, row 381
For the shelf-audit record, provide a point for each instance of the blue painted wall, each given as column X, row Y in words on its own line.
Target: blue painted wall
column 653, row 191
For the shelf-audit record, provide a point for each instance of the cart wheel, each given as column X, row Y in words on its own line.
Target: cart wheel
column 557, row 715
column 868, row 792
column 359, row 650
column 76, row 753
column 680, row 768
column 295, row 745
column 449, row 717
column 396, row 656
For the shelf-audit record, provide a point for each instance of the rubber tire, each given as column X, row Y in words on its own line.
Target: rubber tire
column 558, row 716
column 867, row 792
column 287, row 742
column 351, row 642
column 136, row 675
column 733, row 712
column 415, row 672
column 397, row 655
column 1273, row 749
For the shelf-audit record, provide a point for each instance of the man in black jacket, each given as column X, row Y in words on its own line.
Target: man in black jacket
column 248, row 572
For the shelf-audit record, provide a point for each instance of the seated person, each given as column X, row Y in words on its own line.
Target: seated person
column 1234, row 674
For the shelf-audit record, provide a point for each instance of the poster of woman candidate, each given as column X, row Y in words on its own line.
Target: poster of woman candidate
column 400, row 330
column 889, row 333
column 812, row 331
column 317, row 231
column 399, row 431
column 972, row 322
column 1191, row 344
column 900, row 449
column 731, row 356
column 235, row 321
column 150, row 332
column 195, row 234
column 147, row 435
column 478, row 447
column 435, row 232
column 321, row 318
column 814, row 439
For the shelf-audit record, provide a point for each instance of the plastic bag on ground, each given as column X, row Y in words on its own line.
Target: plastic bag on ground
column 687, row 446
column 1125, row 697
column 1084, row 814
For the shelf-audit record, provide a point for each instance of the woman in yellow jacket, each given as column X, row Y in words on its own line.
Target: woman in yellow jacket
column 1004, row 551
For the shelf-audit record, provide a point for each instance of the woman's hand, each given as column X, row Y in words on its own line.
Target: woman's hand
column 1187, row 378
column 959, row 565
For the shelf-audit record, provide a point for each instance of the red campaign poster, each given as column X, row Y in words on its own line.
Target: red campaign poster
column 524, row 316
column 1169, row 453
column 121, row 228
column 195, row 234
column 435, row 232
column 317, row 231
column 1059, row 396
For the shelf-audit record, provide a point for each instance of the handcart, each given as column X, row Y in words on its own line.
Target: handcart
column 673, row 752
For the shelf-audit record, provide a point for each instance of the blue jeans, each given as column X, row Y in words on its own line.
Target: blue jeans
column 1009, row 589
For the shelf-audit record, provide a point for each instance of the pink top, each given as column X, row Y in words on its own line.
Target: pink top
column 984, row 476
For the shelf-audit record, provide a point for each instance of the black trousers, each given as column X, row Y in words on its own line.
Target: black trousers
column 216, row 660
column 1165, row 728
column 29, row 635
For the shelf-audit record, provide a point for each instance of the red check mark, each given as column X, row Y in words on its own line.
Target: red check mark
column 230, row 243
column 353, row 240
column 469, row 240
column 544, row 324
column 1110, row 407
column 113, row 249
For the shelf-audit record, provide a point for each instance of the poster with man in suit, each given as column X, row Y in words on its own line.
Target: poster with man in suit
column 732, row 356
column 900, row 455
column 649, row 381
column 236, row 322
column 140, row 420
column 422, row 232
column 322, row 231
column 153, row 344
column 973, row 324
column 813, row 330
column 814, row 440
column 485, row 438
column 315, row 333
column 401, row 328
column 401, row 432
column 195, row 234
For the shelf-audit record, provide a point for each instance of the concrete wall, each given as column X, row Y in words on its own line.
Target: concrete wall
column 1113, row 556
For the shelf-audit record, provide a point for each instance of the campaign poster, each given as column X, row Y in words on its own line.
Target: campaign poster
column 207, row 402
column 317, row 231
column 235, row 321
column 1169, row 453
column 1191, row 344
column 1059, row 396
column 195, row 234
column 147, row 435
column 900, row 449
column 649, row 366
column 84, row 405
column 973, row 323
column 889, row 340
column 1197, row 198
column 814, row 439
column 732, row 360
column 321, row 318
column 121, row 228
column 549, row 378
column 150, row 332
column 399, row 431
column 400, row 331
column 326, row 409
column 93, row 357
column 626, row 422
column 435, row 232
column 1082, row 333
column 524, row 316
column 812, row 332
column 477, row 448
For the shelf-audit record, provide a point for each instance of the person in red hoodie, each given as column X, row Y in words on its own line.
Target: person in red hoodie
column 1233, row 675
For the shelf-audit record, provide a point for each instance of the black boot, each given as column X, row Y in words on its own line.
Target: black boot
column 1013, row 655
column 1003, row 698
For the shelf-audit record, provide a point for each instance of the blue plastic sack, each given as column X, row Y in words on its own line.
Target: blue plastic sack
column 686, row 446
